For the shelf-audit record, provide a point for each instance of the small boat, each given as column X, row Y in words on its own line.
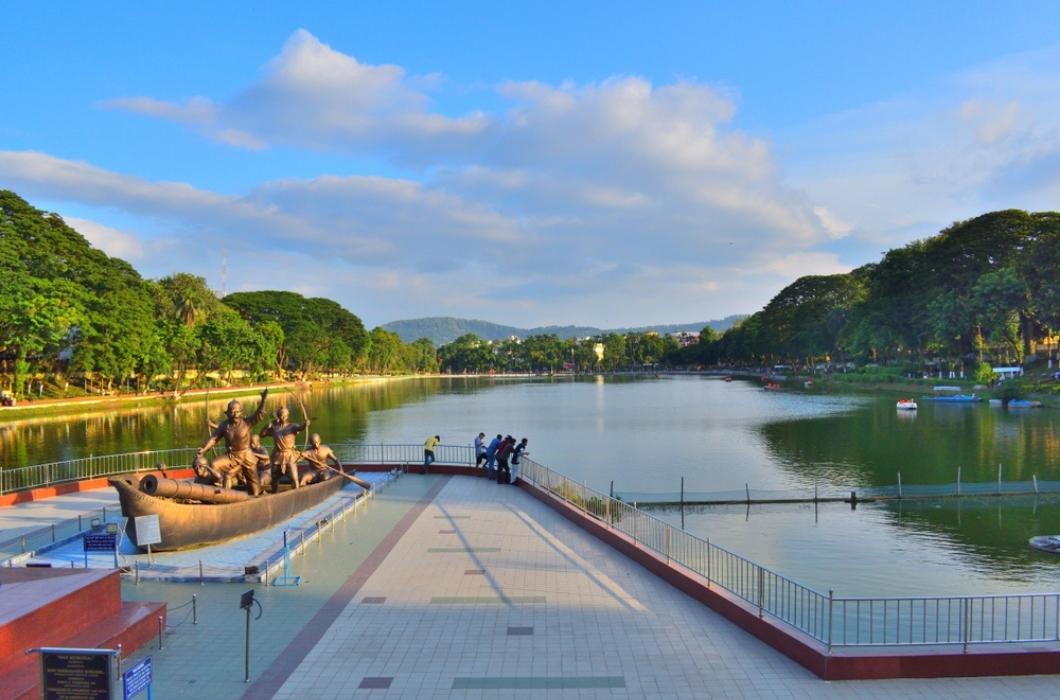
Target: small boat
column 955, row 398
column 1046, row 543
column 728, row 379
column 772, row 386
column 808, row 384
column 906, row 404
column 184, row 525
column 1024, row 403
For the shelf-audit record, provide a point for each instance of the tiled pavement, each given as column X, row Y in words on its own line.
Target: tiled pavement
column 206, row 660
column 21, row 518
column 490, row 593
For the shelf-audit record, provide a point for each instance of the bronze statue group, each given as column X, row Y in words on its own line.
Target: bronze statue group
column 247, row 463
column 500, row 457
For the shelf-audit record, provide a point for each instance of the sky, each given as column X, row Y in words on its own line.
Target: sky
column 600, row 163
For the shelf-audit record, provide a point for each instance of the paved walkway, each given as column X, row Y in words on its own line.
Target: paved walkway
column 486, row 592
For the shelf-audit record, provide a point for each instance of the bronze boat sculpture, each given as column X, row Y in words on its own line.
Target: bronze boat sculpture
column 209, row 510
column 184, row 525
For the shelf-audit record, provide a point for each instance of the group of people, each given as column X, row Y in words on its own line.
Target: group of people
column 247, row 462
column 500, row 457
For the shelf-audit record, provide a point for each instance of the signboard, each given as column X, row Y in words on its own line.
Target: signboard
column 100, row 542
column 137, row 679
column 147, row 530
column 77, row 674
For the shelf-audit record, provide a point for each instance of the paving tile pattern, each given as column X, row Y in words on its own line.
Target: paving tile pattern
column 607, row 628
column 206, row 660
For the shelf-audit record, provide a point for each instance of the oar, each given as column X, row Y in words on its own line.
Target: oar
column 360, row 482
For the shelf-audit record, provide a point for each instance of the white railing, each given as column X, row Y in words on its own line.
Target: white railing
column 831, row 620
column 22, row 478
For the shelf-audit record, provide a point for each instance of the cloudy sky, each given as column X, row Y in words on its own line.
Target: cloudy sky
column 609, row 164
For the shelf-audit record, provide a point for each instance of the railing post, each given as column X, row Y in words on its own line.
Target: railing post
column 761, row 589
column 708, row 562
column 966, row 622
column 831, row 603
column 668, row 529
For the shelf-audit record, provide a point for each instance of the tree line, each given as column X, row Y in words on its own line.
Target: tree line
column 981, row 291
column 72, row 316
column 986, row 289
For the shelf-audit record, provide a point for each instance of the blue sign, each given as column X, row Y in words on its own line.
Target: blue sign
column 100, row 542
column 138, row 678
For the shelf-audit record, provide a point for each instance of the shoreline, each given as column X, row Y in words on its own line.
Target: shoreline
column 91, row 404
column 821, row 384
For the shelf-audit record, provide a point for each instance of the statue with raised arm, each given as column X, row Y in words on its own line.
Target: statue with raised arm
column 284, row 450
column 238, row 458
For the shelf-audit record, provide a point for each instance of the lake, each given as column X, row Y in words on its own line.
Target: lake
column 645, row 434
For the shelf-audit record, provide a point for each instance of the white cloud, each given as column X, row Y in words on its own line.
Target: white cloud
column 569, row 203
column 982, row 139
column 111, row 241
column 311, row 95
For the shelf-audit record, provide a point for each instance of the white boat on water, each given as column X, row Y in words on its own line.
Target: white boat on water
column 1046, row 543
column 906, row 404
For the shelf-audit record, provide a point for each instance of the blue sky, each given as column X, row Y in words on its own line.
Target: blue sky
column 600, row 163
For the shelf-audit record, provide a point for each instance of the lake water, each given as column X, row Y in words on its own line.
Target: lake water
column 646, row 434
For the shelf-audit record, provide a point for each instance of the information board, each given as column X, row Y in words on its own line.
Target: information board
column 138, row 678
column 100, row 542
column 147, row 530
column 77, row 674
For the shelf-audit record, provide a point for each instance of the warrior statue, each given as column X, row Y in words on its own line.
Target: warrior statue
column 238, row 457
column 263, row 464
column 284, row 454
column 319, row 456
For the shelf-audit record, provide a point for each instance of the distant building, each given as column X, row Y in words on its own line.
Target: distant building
column 686, row 338
column 1007, row 372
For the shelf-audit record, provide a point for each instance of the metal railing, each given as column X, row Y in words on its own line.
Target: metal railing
column 22, row 478
column 401, row 455
column 51, row 473
column 831, row 620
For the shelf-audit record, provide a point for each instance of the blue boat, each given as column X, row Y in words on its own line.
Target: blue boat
column 954, row 398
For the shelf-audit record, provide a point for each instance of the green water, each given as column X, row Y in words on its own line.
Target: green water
column 647, row 434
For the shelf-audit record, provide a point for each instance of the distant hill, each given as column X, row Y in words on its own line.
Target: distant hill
column 444, row 329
